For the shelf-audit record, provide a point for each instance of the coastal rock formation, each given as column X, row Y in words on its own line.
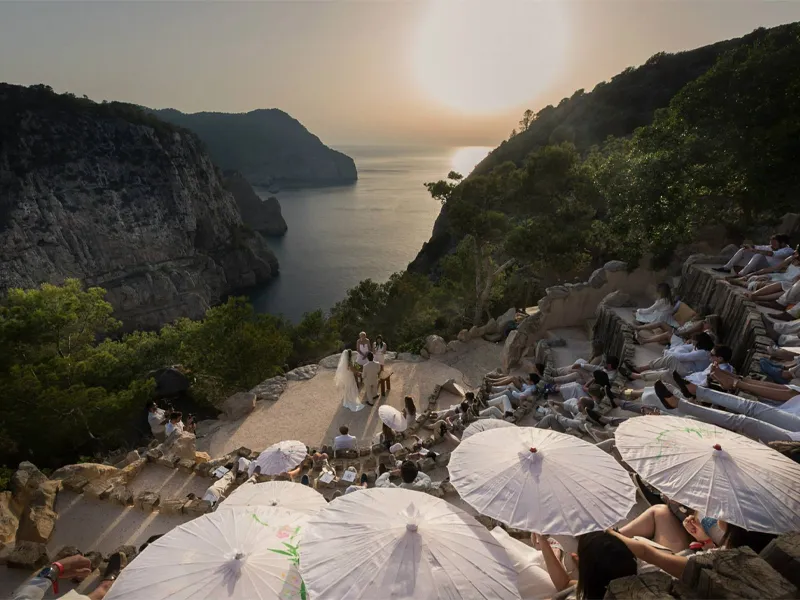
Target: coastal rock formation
column 268, row 147
column 111, row 195
column 261, row 215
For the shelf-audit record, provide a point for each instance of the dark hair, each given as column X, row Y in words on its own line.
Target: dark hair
column 469, row 396
column 150, row 404
column 736, row 537
column 388, row 434
column 703, row 341
column 344, row 430
column 595, row 390
column 782, row 238
column 370, row 356
column 724, row 352
column 613, row 362
column 149, row 541
column 601, row 559
column 442, row 428
column 408, row 471
column 534, row 377
column 601, row 378
column 174, row 415
column 541, row 367
column 464, row 406
column 664, row 291
column 411, row 408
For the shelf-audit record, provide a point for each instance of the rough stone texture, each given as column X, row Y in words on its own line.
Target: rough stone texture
column 197, row 507
column 130, row 457
column 239, row 405
column 180, row 445
column 649, row 586
column 270, row 389
column 84, row 471
column 615, row 265
column 744, row 331
column 201, row 457
column 66, row 551
column 9, row 518
column 28, row 555
column 118, row 204
column 617, row 300
column 261, row 214
column 783, row 555
column 170, row 382
column 454, row 346
column 35, row 495
column 790, row 224
column 424, row 353
column 120, row 494
column 147, row 501
column 473, row 332
column 434, row 344
column 463, row 335
column 302, row 373
column 171, row 506
column 490, row 327
column 493, row 337
column 506, row 319
column 598, row 279
column 330, row 362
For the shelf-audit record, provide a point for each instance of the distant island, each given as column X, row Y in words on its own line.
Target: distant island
column 268, row 147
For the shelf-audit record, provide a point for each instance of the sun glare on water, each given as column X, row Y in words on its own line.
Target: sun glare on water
column 485, row 56
column 465, row 159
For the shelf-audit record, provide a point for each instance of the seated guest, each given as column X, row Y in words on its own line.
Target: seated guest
column 780, row 372
column 662, row 310
column 527, row 391
column 785, row 397
column 685, row 359
column 413, row 478
column 573, row 391
column 175, row 423
column 453, row 411
column 758, row 257
column 344, row 441
column 720, row 359
column 157, row 419
column 573, row 406
column 787, row 271
column 410, row 409
column 581, row 371
column 218, row 490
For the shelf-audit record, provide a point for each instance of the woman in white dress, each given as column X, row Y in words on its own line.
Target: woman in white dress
column 379, row 350
column 363, row 347
column 346, row 383
column 661, row 311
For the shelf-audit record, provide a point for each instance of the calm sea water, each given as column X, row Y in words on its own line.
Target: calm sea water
column 340, row 235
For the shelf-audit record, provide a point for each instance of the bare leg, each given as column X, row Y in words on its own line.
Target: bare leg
column 762, row 389
column 658, row 523
column 654, row 326
column 766, row 292
column 661, row 338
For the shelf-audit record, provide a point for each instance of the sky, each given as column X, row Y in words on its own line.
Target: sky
column 427, row 72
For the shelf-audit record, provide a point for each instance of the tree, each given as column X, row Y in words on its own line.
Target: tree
column 475, row 212
column 528, row 117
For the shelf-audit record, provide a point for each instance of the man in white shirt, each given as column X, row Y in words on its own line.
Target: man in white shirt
column 720, row 357
column 218, row 491
column 174, row 424
column 370, row 373
column 157, row 419
column 685, row 359
column 759, row 257
column 344, row 441
column 413, row 478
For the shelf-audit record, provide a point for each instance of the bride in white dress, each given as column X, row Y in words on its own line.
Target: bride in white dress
column 346, row 384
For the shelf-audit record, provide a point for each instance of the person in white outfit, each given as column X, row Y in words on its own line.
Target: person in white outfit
column 344, row 441
column 371, row 372
column 685, row 359
column 581, row 371
column 379, row 350
column 758, row 257
column 661, row 311
column 363, row 347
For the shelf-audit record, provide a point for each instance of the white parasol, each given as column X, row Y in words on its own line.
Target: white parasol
column 393, row 418
column 238, row 554
column 281, row 457
column 484, row 425
column 394, row 543
column 284, row 494
column 717, row 472
column 541, row 480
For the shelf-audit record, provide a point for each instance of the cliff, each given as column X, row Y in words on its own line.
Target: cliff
column 261, row 215
column 112, row 195
column 267, row 146
column 613, row 108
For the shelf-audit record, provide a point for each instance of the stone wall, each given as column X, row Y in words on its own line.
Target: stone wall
column 571, row 305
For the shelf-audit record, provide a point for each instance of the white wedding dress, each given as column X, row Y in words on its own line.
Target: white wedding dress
column 346, row 384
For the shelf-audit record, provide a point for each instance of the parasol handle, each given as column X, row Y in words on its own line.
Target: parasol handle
column 412, row 527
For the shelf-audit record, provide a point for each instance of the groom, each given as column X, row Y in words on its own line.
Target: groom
column 370, row 372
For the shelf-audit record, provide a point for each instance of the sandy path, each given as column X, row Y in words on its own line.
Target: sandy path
column 311, row 411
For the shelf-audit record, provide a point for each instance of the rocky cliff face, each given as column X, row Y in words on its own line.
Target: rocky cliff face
column 261, row 215
column 119, row 199
column 268, row 147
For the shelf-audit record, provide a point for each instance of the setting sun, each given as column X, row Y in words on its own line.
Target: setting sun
column 493, row 56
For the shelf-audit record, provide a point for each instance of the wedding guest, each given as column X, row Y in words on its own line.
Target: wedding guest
column 758, row 257
column 379, row 350
column 363, row 348
column 370, row 372
column 344, row 441
column 413, row 478
column 157, row 419
column 410, row 409
column 662, row 310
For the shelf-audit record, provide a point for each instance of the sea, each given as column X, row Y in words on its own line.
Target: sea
column 341, row 235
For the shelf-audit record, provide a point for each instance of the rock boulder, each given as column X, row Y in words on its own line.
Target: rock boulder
column 28, row 556
column 9, row 518
column 330, row 362
column 463, row 335
column 179, row 445
column 239, row 405
column 454, row 346
column 302, row 373
column 39, row 519
column 86, row 471
column 506, row 319
column 617, row 299
column 270, row 389
column 170, row 382
column 435, row 345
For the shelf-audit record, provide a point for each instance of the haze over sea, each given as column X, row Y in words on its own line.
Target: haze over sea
column 340, row 235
